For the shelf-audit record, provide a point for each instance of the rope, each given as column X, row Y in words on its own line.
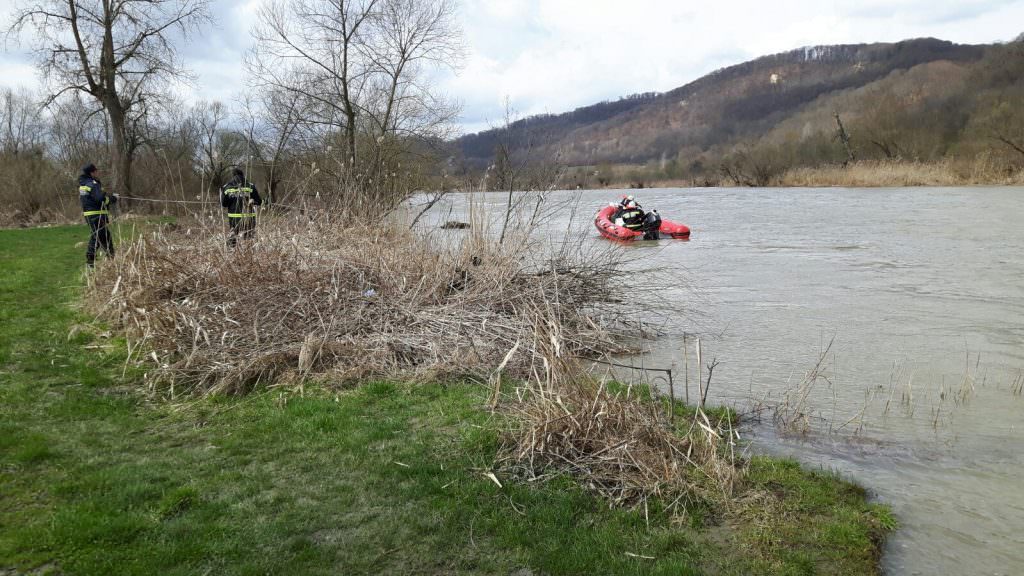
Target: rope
column 209, row 202
column 644, row 368
column 168, row 201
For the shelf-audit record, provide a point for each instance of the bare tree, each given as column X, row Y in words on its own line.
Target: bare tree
column 314, row 50
column 1004, row 121
column 844, row 137
column 519, row 166
column 117, row 51
column 218, row 146
column 506, row 167
column 883, row 124
column 408, row 36
column 755, row 168
column 23, row 126
column 78, row 131
column 360, row 69
column 270, row 122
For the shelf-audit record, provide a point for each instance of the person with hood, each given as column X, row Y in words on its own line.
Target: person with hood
column 96, row 210
column 240, row 197
column 627, row 199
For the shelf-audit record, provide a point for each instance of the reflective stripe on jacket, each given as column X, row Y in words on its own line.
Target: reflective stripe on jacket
column 94, row 200
column 632, row 218
column 236, row 196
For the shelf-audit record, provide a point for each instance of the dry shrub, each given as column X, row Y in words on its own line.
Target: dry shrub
column 37, row 192
column 618, row 444
column 321, row 298
column 623, row 448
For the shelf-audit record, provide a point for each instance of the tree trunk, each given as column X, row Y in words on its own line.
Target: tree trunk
column 350, row 133
column 844, row 137
column 1011, row 143
column 121, row 158
column 120, row 155
column 890, row 149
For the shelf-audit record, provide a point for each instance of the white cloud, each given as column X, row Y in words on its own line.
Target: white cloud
column 214, row 56
column 16, row 68
column 555, row 55
column 17, row 73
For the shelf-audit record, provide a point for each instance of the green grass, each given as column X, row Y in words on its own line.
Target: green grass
column 97, row 478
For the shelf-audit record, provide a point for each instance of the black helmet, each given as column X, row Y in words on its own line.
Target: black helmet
column 237, row 173
column 88, row 169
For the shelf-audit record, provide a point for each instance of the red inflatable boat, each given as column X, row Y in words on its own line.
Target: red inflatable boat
column 608, row 229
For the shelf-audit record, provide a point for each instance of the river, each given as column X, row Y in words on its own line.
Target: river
column 920, row 292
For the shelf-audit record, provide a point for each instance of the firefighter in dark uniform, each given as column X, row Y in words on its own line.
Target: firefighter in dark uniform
column 240, row 197
column 631, row 213
column 96, row 210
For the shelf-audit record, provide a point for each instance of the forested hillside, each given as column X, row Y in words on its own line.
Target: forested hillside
column 920, row 100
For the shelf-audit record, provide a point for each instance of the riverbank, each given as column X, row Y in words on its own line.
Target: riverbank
column 864, row 174
column 99, row 478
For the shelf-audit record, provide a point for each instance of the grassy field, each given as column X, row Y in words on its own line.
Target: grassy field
column 96, row 477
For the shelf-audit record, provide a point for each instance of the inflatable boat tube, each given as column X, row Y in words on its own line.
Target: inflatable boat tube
column 608, row 229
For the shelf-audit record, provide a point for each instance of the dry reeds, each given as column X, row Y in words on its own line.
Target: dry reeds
column 795, row 412
column 312, row 298
column 893, row 173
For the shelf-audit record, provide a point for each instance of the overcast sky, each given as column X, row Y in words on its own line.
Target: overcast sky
column 555, row 55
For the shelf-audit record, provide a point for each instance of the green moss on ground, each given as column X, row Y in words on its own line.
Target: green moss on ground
column 97, row 478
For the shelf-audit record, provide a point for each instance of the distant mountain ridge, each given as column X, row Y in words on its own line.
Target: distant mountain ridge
column 736, row 105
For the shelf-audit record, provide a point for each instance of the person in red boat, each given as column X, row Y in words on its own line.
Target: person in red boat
column 629, row 214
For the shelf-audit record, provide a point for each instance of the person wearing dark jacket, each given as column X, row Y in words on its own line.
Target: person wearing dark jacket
column 96, row 210
column 240, row 197
column 630, row 215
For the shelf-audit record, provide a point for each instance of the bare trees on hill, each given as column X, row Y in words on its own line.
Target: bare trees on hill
column 1004, row 73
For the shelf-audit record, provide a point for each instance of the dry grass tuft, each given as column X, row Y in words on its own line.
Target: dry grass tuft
column 618, row 444
column 623, row 448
